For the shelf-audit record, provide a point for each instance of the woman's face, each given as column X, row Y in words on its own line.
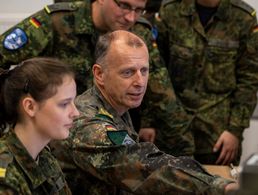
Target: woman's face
column 55, row 115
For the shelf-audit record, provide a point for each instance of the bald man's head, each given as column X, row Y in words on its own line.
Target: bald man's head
column 119, row 39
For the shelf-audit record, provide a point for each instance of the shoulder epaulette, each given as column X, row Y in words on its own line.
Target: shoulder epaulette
column 165, row 2
column 145, row 22
column 62, row 6
column 5, row 160
column 103, row 114
column 245, row 6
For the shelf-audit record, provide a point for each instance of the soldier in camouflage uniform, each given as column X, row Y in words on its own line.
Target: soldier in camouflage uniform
column 103, row 147
column 38, row 110
column 69, row 31
column 212, row 55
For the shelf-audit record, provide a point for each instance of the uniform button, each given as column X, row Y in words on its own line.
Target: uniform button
column 76, row 141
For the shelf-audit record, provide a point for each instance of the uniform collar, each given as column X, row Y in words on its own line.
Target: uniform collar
column 117, row 118
column 187, row 8
column 106, row 105
column 34, row 172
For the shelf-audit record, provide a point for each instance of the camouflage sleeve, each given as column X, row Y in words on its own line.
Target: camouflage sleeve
column 244, row 98
column 27, row 39
column 162, row 38
column 139, row 168
column 160, row 108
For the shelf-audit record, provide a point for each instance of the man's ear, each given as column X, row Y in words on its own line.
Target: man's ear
column 30, row 106
column 98, row 73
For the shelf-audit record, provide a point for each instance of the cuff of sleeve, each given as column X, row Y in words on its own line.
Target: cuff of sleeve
column 220, row 184
column 237, row 131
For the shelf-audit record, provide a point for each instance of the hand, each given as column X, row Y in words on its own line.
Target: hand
column 228, row 145
column 231, row 187
column 147, row 134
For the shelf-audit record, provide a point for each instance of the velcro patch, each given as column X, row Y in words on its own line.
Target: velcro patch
column 120, row 137
column 15, row 40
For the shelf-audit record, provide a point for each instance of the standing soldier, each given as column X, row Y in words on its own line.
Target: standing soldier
column 211, row 49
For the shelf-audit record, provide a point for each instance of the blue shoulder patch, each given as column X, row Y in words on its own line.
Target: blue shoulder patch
column 15, row 40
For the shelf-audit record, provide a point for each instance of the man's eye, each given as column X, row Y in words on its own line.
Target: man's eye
column 125, row 6
column 127, row 73
column 144, row 71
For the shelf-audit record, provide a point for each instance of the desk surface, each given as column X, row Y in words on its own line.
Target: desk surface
column 223, row 171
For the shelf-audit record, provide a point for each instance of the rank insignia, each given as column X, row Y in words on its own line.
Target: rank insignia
column 120, row 137
column 2, row 172
column 105, row 113
column 15, row 40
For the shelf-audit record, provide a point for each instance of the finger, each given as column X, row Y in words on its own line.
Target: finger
column 218, row 145
column 227, row 158
column 221, row 156
column 233, row 156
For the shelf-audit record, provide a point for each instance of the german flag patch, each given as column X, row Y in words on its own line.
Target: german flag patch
column 110, row 128
column 35, row 22
column 255, row 30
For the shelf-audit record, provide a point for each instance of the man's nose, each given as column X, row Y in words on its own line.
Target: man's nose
column 131, row 16
column 140, row 80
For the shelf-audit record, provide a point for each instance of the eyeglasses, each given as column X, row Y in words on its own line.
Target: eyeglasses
column 128, row 8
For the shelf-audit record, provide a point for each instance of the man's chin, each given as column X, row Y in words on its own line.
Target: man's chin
column 122, row 27
column 135, row 105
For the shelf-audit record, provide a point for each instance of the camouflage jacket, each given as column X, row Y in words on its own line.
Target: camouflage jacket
column 106, row 152
column 20, row 174
column 215, row 63
column 66, row 31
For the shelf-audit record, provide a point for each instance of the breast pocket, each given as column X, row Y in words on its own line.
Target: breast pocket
column 219, row 73
column 181, row 67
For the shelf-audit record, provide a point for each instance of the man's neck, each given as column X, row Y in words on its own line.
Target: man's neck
column 112, row 103
column 208, row 3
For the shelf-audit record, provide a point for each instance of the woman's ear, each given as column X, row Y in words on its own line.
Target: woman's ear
column 98, row 73
column 30, row 106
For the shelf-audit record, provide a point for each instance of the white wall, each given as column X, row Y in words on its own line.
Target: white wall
column 250, row 143
column 254, row 3
column 13, row 11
